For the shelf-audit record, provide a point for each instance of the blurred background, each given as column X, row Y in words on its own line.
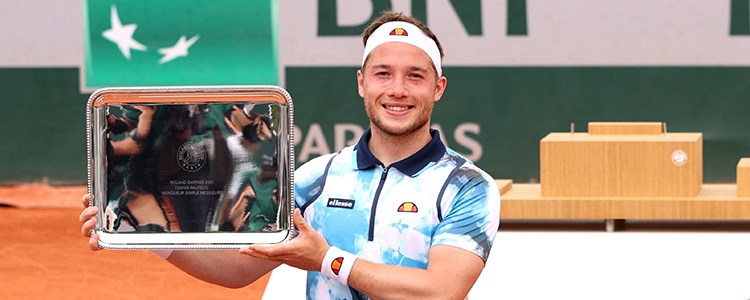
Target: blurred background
column 517, row 70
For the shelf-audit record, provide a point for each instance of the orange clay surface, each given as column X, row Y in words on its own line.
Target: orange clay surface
column 44, row 256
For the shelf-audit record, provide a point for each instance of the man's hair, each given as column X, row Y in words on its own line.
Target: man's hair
column 390, row 16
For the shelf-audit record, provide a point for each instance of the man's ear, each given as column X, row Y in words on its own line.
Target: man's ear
column 360, row 84
column 442, row 82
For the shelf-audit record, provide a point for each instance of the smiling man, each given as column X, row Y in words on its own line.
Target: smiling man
column 419, row 219
column 398, row 215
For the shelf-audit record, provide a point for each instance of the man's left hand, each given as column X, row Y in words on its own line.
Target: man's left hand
column 305, row 252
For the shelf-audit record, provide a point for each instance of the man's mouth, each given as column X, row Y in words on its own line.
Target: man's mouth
column 397, row 108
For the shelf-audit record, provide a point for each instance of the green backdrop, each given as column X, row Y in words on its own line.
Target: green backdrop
column 517, row 106
column 43, row 123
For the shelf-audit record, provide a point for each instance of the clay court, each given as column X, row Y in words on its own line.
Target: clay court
column 44, row 256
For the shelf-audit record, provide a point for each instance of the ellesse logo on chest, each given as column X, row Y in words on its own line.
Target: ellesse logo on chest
column 340, row 203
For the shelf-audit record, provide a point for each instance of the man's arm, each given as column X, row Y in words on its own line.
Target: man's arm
column 450, row 274
column 227, row 268
column 459, row 246
column 132, row 144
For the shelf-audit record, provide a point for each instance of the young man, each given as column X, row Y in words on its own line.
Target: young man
column 398, row 215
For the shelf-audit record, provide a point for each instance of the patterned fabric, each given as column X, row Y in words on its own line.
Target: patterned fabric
column 394, row 214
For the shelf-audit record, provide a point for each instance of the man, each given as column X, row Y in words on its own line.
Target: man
column 398, row 215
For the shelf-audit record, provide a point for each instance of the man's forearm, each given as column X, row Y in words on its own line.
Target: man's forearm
column 227, row 268
column 448, row 276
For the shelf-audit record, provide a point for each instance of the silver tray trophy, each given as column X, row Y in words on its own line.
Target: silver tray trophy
column 191, row 167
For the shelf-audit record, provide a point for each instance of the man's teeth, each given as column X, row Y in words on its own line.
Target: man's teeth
column 397, row 108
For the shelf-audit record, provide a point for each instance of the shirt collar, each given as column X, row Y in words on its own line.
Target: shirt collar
column 432, row 152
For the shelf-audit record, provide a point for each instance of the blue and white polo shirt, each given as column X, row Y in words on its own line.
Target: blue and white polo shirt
column 394, row 214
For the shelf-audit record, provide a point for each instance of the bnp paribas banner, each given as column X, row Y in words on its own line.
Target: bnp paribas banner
column 519, row 69
column 516, row 69
column 179, row 42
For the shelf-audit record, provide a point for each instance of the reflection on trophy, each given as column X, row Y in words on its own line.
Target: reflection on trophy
column 191, row 168
column 248, row 202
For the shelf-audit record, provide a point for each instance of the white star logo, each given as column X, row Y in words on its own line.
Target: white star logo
column 179, row 49
column 122, row 35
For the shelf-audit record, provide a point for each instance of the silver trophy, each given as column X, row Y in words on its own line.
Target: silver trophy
column 191, row 167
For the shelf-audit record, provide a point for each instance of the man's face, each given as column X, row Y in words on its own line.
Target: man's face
column 399, row 88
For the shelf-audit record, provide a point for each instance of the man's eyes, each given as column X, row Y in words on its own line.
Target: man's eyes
column 410, row 75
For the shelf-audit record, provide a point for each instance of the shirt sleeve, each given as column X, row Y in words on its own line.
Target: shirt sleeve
column 473, row 215
column 309, row 180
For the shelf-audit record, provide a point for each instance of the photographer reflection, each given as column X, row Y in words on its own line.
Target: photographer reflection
column 137, row 121
column 190, row 168
column 248, row 204
column 126, row 201
column 132, row 195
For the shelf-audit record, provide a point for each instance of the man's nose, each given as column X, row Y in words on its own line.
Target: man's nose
column 398, row 88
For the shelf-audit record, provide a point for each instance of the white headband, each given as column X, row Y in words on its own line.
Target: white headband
column 403, row 32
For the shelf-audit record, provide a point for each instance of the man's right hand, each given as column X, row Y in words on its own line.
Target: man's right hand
column 88, row 218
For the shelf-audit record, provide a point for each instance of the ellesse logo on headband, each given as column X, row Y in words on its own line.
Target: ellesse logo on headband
column 399, row 31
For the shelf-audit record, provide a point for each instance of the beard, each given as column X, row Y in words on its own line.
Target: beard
column 423, row 117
